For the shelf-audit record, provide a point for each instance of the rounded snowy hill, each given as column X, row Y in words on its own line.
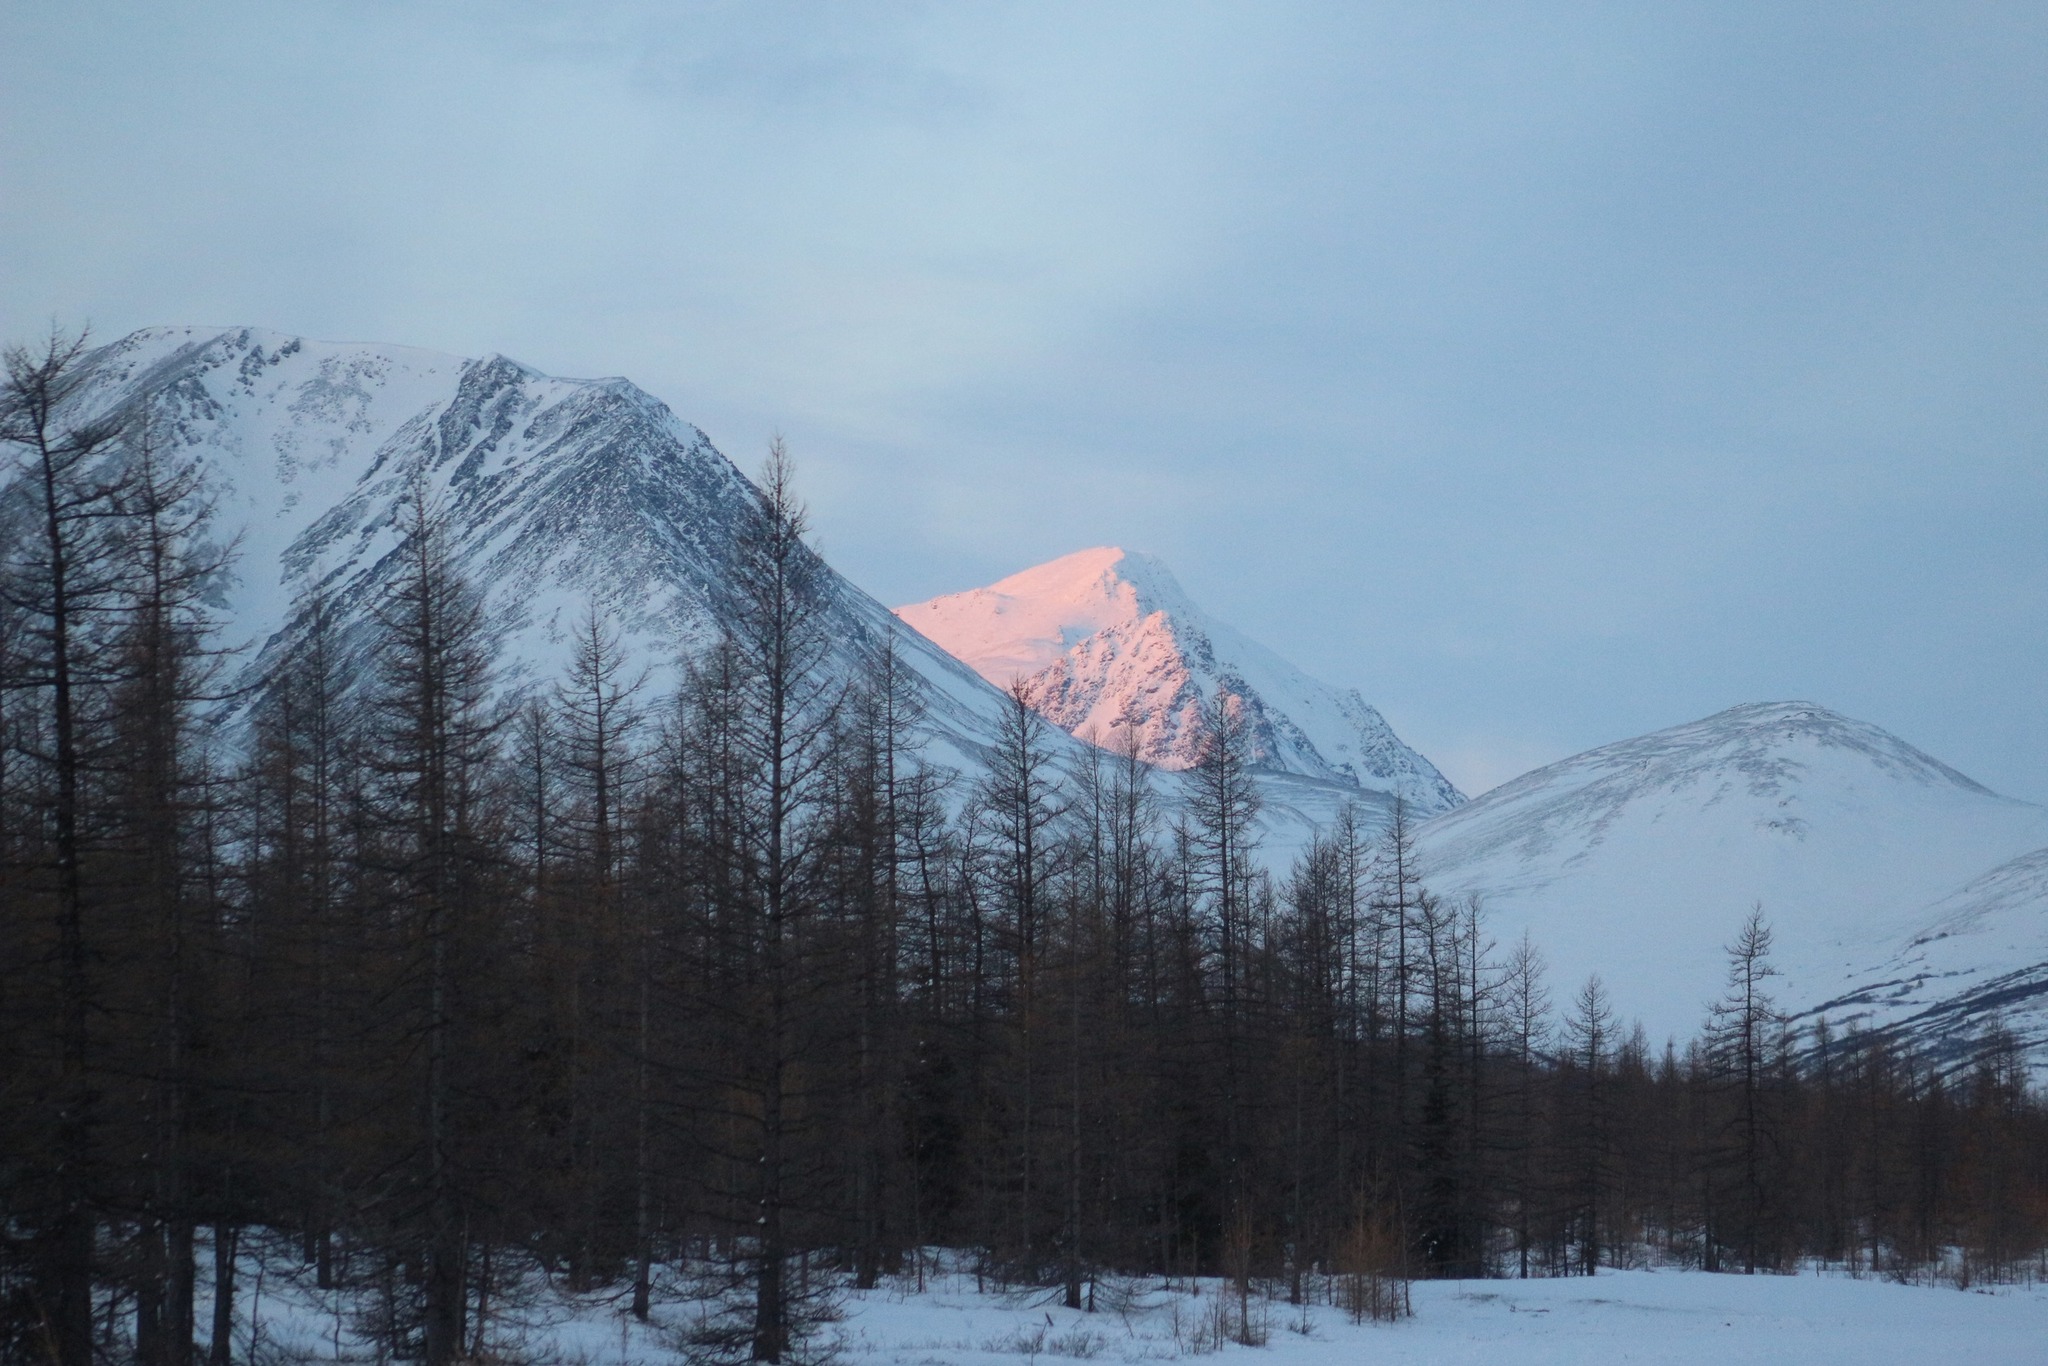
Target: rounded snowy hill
column 1639, row 860
column 1109, row 644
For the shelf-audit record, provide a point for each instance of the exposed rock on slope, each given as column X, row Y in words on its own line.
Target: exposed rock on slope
column 557, row 492
column 1108, row 643
column 1639, row 860
column 1977, row 957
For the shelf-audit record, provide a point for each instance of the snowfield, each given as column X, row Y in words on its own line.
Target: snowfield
column 1673, row 1317
column 1638, row 861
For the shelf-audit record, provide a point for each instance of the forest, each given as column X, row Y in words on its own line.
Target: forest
column 439, row 980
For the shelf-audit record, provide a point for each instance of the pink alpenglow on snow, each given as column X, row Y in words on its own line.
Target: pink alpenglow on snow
column 1108, row 643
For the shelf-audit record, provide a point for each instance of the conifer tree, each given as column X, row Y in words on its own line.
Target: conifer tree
column 1742, row 1030
column 63, row 580
column 785, row 729
column 156, row 790
column 1222, row 801
column 434, row 734
column 1018, row 813
column 1587, row 1147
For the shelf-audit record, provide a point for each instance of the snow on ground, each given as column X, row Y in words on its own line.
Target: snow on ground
column 1630, row 1316
column 1674, row 1318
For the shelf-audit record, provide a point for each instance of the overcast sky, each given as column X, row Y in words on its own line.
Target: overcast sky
column 1552, row 374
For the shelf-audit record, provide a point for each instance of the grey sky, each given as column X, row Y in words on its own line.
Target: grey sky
column 1550, row 374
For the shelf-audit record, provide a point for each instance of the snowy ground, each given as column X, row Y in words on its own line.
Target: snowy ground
column 1628, row 1316
column 1636, row 1316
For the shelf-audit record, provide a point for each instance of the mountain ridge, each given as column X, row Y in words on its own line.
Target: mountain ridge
column 1639, row 859
column 1907, row 896
column 1107, row 643
column 558, row 493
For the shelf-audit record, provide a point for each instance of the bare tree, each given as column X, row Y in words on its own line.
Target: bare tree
column 1741, row 1030
column 63, row 578
column 786, row 730
column 599, row 721
column 163, row 670
column 1018, row 810
column 1222, row 799
column 1589, row 1036
column 1527, row 1034
column 435, row 730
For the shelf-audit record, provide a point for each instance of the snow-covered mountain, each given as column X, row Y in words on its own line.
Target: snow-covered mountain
column 1640, row 860
column 1904, row 895
column 557, row 492
column 1976, row 956
column 1107, row 643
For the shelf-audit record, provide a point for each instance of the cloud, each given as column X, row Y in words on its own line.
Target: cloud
column 1550, row 374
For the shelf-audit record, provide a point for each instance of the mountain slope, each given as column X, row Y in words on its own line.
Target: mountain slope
column 557, row 492
column 1639, row 860
column 1106, row 640
column 1905, row 896
column 1977, row 956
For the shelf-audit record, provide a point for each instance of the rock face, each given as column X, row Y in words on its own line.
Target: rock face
column 558, row 494
column 1639, row 861
column 1108, row 645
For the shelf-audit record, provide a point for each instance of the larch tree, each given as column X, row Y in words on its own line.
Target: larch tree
column 1587, row 1147
column 1742, row 1032
column 791, row 703
column 1018, row 812
column 163, row 667
column 435, row 729
column 63, row 581
column 1223, row 802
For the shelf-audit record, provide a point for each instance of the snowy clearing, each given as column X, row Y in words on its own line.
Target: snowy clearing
column 1673, row 1317
column 1635, row 1316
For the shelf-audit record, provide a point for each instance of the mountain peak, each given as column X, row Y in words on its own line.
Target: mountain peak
column 1110, row 645
column 556, row 494
column 1018, row 626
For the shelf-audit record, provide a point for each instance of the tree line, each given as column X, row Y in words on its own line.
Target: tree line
column 445, row 981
